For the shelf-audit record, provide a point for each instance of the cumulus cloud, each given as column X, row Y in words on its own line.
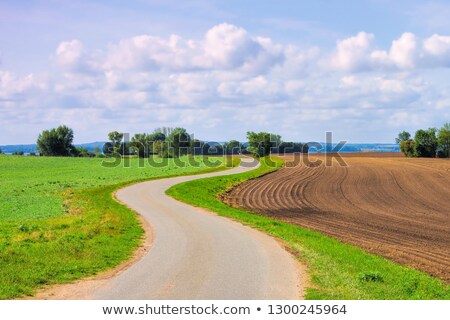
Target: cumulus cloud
column 358, row 53
column 72, row 57
column 229, row 46
column 353, row 54
column 438, row 49
column 147, row 52
column 223, row 47
column 404, row 51
column 232, row 78
column 14, row 87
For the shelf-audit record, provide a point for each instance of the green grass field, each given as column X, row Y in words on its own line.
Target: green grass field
column 59, row 222
column 337, row 270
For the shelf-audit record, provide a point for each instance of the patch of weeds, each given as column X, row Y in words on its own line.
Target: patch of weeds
column 370, row 277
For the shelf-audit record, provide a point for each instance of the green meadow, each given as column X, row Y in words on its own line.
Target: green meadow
column 59, row 221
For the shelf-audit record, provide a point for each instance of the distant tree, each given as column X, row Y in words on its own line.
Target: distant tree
column 32, row 154
column 196, row 147
column 178, row 141
column 154, row 137
column 444, row 140
column 157, row 136
column 108, row 149
column 160, row 148
column 18, row 153
column 205, row 147
column 402, row 136
column 261, row 143
column 125, row 149
column 292, row 147
column 1, row 151
column 214, row 149
column 426, row 143
column 96, row 150
column 408, row 148
column 140, row 143
column 233, row 147
column 116, row 141
column 83, row 152
column 56, row 142
column 166, row 131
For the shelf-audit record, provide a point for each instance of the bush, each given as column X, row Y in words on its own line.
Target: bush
column 408, row 148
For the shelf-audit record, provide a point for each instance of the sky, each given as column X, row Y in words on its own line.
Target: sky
column 364, row 70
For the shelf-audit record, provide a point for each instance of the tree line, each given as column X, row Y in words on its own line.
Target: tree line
column 428, row 143
column 164, row 142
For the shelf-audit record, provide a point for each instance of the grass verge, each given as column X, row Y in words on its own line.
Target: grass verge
column 96, row 233
column 337, row 270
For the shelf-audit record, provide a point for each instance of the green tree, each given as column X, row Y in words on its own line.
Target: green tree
column 197, row 147
column 56, row 142
column 233, row 147
column 108, row 149
column 178, row 141
column 166, row 131
column 1, row 151
column 83, row 152
column 157, row 136
column 156, row 140
column 116, row 141
column 96, row 150
column 140, row 143
column 426, row 143
column 408, row 148
column 261, row 143
column 444, row 140
column 160, row 148
column 402, row 136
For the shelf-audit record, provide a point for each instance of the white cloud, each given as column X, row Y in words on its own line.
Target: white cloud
column 233, row 79
column 13, row 87
column 358, row 54
column 229, row 46
column 224, row 46
column 438, row 49
column 404, row 51
column 147, row 52
column 72, row 57
column 352, row 54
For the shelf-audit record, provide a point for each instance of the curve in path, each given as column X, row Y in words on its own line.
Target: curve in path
column 198, row 255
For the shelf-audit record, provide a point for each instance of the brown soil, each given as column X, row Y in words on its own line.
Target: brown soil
column 386, row 204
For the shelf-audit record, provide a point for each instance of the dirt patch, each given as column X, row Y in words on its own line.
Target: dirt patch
column 388, row 205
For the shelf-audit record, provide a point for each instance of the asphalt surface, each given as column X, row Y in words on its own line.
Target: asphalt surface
column 196, row 254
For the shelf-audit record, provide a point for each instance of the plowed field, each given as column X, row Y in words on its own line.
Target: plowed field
column 388, row 205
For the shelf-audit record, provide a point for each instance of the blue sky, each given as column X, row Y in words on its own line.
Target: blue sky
column 362, row 69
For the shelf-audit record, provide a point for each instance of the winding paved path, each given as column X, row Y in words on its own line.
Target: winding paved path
column 198, row 255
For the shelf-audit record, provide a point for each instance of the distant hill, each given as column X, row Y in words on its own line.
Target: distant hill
column 350, row 147
column 370, row 147
column 27, row 148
